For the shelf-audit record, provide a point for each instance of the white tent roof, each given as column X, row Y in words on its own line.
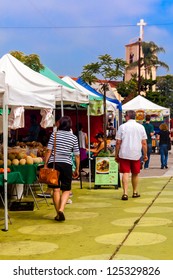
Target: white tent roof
column 140, row 102
column 26, row 87
column 110, row 106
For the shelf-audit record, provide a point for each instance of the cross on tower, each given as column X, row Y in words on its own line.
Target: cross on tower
column 142, row 23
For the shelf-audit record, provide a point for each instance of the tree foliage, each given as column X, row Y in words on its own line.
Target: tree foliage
column 32, row 60
column 128, row 88
column 107, row 68
column 164, row 87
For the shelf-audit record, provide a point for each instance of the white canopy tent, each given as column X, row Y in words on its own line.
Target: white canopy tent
column 141, row 103
column 21, row 86
column 22, row 81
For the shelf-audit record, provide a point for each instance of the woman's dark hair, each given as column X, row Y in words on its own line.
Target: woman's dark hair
column 65, row 123
column 99, row 135
column 80, row 126
column 148, row 117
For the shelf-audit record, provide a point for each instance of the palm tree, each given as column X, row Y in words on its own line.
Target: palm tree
column 149, row 59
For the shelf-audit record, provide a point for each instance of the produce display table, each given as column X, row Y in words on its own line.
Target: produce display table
column 28, row 172
column 12, row 178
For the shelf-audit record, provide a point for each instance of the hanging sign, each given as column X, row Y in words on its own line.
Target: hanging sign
column 96, row 107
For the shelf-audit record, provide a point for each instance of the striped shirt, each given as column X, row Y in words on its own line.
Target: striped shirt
column 66, row 144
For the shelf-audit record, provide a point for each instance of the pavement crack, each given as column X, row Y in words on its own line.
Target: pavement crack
column 138, row 220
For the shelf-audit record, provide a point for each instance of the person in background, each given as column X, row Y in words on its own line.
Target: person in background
column 95, row 151
column 111, row 129
column 149, row 128
column 130, row 140
column 164, row 138
column 33, row 130
column 66, row 144
column 83, row 144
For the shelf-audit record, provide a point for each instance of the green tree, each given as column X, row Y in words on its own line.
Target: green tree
column 108, row 69
column 128, row 88
column 164, row 87
column 32, row 60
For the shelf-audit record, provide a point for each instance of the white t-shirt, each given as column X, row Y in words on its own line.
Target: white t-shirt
column 82, row 139
column 131, row 134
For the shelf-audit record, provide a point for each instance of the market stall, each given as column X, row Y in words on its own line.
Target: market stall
column 95, row 109
column 143, row 106
column 19, row 85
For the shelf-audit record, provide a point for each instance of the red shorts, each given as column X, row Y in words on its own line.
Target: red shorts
column 128, row 165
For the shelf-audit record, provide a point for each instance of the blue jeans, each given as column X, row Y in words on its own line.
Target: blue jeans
column 164, row 154
column 149, row 151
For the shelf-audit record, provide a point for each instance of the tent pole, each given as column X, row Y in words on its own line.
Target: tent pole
column 89, row 142
column 62, row 107
column 77, row 122
column 5, row 142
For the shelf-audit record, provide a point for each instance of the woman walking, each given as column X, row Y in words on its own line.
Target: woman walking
column 66, row 144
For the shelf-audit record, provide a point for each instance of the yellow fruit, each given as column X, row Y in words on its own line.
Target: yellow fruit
column 11, row 156
column 1, row 162
column 32, row 155
column 15, row 161
column 22, row 161
column 8, row 162
column 20, row 155
column 37, row 160
column 41, row 160
column 29, row 160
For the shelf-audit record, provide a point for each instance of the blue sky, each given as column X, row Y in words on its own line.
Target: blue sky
column 69, row 34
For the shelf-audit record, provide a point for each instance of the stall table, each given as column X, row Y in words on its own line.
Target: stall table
column 27, row 171
column 23, row 174
column 12, row 178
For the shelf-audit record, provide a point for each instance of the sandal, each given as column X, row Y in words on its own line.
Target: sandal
column 124, row 197
column 60, row 217
column 135, row 195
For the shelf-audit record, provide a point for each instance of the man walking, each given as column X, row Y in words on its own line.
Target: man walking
column 149, row 128
column 130, row 141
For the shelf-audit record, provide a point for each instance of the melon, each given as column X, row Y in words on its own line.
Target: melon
column 37, row 160
column 20, row 155
column 1, row 162
column 11, row 156
column 29, row 160
column 22, row 161
column 41, row 160
column 15, row 161
column 8, row 162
